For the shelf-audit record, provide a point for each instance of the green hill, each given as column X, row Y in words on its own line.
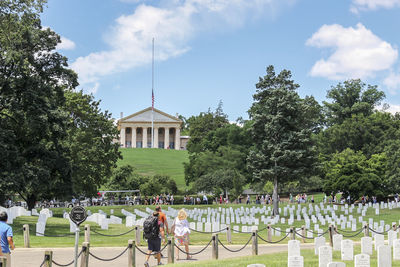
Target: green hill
column 150, row 161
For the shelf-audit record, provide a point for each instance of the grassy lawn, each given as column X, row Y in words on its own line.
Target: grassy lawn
column 59, row 226
column 149, row 161
column 280, row 260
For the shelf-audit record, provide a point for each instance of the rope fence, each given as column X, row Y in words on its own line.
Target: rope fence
column 233, row 250
column 111, row 259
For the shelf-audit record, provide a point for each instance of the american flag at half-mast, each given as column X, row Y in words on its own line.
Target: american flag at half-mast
column 152, row 98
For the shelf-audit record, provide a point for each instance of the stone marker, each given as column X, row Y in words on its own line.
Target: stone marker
column 293, row 248
column 337, row 240
column 384, row 256
column 324, row 256
column 295, row 261
column 362, row 260
column 318, row 242
column 347, row 250
column 396, row 249
column 256, row 265
column 366, row 245
column 379, row 240
column 392, row 235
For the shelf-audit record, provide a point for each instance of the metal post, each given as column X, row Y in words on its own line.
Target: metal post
column 3, row 261
column 85, row 254
column 254, row 244
column 48, row 258
column 331, row 235
column 303, row 233
column 171, row 258
column 269, row 236
column 131, row 254
column 76, row 246
column 229, row 234
column 292, row 231
column 87, row 233
column 27, row 242
column 137, row 235
column 215, row 247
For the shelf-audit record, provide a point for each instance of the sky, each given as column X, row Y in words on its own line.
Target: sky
column 207, row 51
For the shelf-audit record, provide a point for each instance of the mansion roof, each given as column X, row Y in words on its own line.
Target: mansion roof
column 145, row 116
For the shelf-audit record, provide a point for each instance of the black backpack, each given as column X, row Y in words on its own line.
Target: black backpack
column 151, row 228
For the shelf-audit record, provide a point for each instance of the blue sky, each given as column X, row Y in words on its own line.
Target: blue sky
column 212, row 50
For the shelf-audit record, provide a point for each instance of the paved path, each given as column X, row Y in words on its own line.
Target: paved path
column 33, row 257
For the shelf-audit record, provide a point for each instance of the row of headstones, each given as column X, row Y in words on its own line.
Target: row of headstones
column 325, row 255
column 15, row 212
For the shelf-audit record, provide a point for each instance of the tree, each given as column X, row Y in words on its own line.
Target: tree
column 33, row 78
column 351, row 98
column 281, row 131
column 91, row 149
column 221, row 181
column 353, row 174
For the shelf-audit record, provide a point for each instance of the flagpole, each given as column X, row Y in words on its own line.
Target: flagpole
column 152, row 99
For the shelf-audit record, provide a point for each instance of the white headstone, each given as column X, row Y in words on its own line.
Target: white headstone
column 396, row 249
column 295, row 261
column 379, row 240
column 207, row 227
column 337, row 241
column 336, row 264
column 324, row 256
column 392, row 235
column 384, row 256
column 366, row 245
column 362, row 260
column 347, row 250
column 293, row 248
column 318, row 242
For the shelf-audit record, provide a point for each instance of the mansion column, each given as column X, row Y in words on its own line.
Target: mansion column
column 155, row 145
column 166, row 137
column 133, row 137
column 177, row 138
column 122, row 136
column 144, row 137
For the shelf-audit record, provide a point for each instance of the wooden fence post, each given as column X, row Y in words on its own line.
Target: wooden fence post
column 87, row 233
column 293, row 231
column 48, row 258
column 303, row 233
column 85, row 254
column 254, row 244
column 229, row 234
column 331, row 234
column 171, row 256
column 3, row 261
column 131, row 253
column 215, row 247
column 27, row 243
column 137, row 235
column 366, row 229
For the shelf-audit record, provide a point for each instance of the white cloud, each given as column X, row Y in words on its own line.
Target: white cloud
column 94, row 89
column 392, row 82
column 359, row 5
column 173, row 25
column 66, row 44
column 358, row 53
column 391, row 108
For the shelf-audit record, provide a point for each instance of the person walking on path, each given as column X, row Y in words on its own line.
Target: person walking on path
column 151, row 231
column 181, row 231
column 163, row 223
column 6, row 236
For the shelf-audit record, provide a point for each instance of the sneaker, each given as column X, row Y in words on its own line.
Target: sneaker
column 146, row 264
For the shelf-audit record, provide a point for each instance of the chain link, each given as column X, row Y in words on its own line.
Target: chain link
column 274, row 242
column 194, row 253
column 153, row 253
column 112, row 235
column 116, row 257
column 232, row 250
column 212, row 232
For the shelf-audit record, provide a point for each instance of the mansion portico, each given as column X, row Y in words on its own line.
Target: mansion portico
column 135, row 130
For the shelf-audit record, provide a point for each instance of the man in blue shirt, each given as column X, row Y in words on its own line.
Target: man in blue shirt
column 6, row 237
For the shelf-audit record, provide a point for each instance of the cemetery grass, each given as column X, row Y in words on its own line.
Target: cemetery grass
column 156, row 161
column 58, row 226
column 280, row 260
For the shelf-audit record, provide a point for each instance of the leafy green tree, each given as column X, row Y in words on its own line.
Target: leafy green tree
column 392, row 175
column 353, row 174
column 33, row 78
column 90, row 135
column 351, row 98
column 281, row 131
column 158, row 184
column 221, row 181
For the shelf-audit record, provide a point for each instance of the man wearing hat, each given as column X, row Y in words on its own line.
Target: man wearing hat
column 6, row 237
